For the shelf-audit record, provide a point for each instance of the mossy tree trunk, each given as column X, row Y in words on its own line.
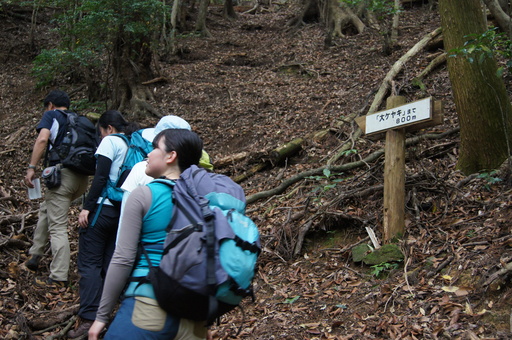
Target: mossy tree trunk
column 131, row 61
column 201, row 18
column 482, row 103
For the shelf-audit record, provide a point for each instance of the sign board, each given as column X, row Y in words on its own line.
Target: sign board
column 401, row 116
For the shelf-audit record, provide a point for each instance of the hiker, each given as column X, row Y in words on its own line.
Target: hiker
column 99, row 218
column 146, row 216
column 53, row 211
column 138, row 174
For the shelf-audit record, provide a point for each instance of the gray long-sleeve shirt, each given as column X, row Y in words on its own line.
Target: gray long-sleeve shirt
column 121, row 266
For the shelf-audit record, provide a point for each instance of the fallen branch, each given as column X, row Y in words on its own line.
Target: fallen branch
column 397, row 67
column 503, row 272
column 17, row 136
column 341, row 168
column 386, row 83
column 7, row 151
column 439, row 60
column 302, row 234
column 69, row 324
column 47, row 320
column 276, row 156
column 11, row 219
column 231, row 159
column 156, row 80
column 250, row 172
column 13, row 243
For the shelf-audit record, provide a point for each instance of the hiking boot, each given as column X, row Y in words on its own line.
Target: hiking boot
column 82, row 329
column 49, row 282
column 33, row 262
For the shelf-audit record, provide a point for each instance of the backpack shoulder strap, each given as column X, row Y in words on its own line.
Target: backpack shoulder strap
column 165, row 181
column 71, row 116
column 178, row 206
column 193, row 181
column 123, row 137
column 62, row 111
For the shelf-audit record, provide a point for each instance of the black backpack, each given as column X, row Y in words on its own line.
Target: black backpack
column 78, row 146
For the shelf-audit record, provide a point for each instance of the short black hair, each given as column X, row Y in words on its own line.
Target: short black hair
column 186, row 143
column 58, row 98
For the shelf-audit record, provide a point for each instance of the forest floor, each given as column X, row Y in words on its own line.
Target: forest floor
column 252, row 87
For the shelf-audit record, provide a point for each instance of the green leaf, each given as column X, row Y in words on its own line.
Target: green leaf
column 499, row 72
column 481, row 58
column 292, row 300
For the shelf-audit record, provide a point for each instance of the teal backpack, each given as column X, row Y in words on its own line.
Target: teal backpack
column 138, row 150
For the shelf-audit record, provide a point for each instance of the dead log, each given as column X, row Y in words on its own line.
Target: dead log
column 250, row 172
column 48, row 319
column 230, row 160
column 275, row 157
column 279, row 154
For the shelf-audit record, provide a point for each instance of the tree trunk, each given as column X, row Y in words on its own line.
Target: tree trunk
column 229, row 10
column 396, row 22
column 333, row 14
column 131, row 62
column 201, row 18
column 502, row 18
column 482, row 103
column 176, row 5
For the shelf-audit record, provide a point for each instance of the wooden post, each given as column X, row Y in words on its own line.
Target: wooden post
column 395, row 121
column 394, row 177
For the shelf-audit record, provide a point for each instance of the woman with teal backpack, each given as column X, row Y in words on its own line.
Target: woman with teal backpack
column 146, row 216
column 96, row 240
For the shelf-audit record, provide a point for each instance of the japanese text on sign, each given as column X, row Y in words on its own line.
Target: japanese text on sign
column 403, row 115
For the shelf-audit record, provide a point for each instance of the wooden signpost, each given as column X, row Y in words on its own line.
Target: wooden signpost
column 395, row 121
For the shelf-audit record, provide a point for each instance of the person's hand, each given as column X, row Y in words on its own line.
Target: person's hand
column 83, row 218
column 29, row 177
column 95, row 330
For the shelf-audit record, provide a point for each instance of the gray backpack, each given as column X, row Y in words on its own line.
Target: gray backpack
column 210, row 251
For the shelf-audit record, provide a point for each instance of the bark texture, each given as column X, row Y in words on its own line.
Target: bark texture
column 482, row 103
column 201, row 18
column 132, row 66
